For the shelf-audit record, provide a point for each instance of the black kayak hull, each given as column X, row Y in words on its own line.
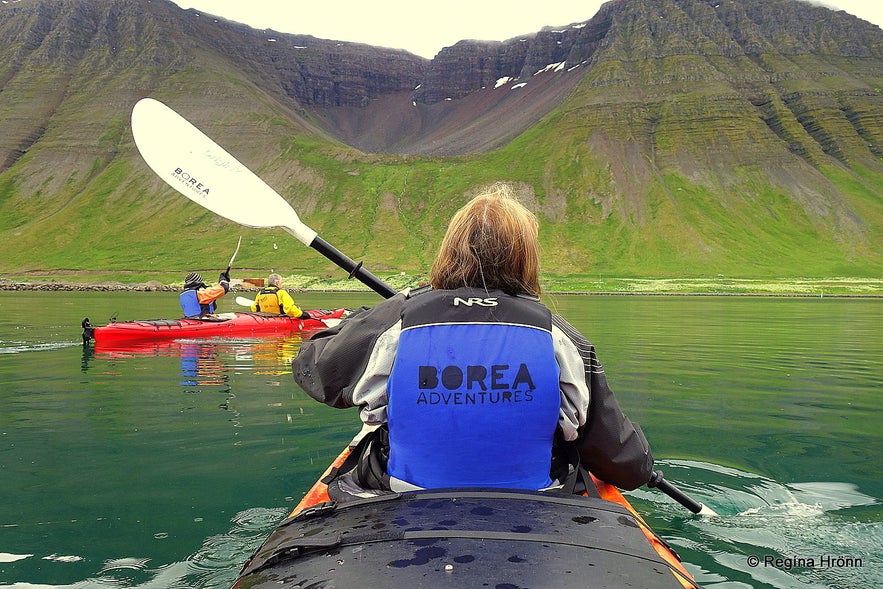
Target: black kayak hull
column 463, row 538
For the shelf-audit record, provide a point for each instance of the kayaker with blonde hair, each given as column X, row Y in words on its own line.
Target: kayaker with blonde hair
column 474, row 382
column 274, row 299
column 491, row 243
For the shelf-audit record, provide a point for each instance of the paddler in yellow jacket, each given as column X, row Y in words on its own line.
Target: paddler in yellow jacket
column 274, row 299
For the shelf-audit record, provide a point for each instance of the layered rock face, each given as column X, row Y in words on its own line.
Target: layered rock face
column 472, row 65
column 389, row 100
column 319, row 72
column 630, row 31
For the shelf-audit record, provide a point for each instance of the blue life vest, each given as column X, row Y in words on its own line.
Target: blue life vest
column 191, row 307
column 473, row 392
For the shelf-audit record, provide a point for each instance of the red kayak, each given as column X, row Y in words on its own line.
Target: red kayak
column 220, row 325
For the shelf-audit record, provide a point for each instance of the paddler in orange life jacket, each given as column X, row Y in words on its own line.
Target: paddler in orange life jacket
column 474, row 382
column 274, row 299
column 198, row 300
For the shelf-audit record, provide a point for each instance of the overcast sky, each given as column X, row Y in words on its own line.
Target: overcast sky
column 425, row 28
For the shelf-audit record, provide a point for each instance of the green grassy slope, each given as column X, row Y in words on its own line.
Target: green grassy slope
column 673, row 164
column 605, row 207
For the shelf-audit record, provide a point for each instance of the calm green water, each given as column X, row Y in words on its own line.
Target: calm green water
column 167, row 467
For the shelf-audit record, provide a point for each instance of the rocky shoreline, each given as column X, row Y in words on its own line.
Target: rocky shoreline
column 245, row 287
column 110, row 286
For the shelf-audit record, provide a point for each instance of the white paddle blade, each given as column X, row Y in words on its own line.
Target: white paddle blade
column 706, row 510
column 200, row 169
column 244, row 301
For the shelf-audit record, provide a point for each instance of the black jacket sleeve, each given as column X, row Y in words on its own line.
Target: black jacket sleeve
column 330, row 364
column 610, row 446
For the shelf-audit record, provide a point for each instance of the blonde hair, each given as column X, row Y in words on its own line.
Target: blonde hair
column 491, row 243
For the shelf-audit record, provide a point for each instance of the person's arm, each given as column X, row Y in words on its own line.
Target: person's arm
column 210, row 294
column 337, row 366
column 573, row 387
column 288, row 305
column 610, row 446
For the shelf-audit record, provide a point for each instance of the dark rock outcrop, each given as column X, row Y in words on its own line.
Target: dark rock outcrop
column 329, row 79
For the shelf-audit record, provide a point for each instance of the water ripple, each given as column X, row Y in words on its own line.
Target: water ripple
column 137, row 564
column 216, row 564
column 18, row 347
column 773, row 535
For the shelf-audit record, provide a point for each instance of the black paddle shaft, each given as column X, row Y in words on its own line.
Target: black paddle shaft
column 354, row 269
column 656, row 480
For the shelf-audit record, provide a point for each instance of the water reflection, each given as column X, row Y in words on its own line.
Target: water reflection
column 200, row 365
column 204, row 362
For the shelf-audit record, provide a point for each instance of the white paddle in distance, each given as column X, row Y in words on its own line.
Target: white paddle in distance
column 248, row 303
column 197, row 167
column 244, row 302
column 233, row 257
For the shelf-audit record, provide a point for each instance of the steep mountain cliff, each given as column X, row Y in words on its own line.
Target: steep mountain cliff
column 659, row 137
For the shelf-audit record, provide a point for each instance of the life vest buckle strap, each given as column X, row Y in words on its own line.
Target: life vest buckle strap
column 316, row 510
